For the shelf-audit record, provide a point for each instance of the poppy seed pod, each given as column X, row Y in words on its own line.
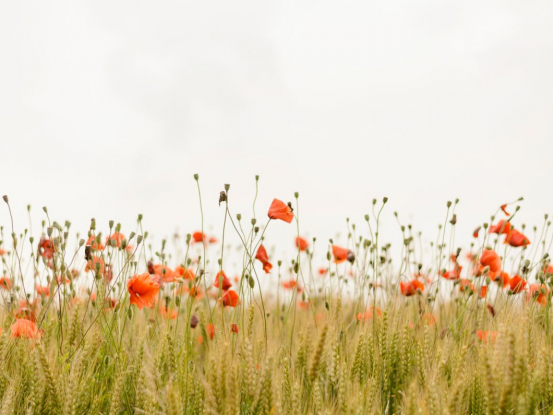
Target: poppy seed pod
column 5, row 197
column 196, row 177
column 351, row 256
column 194, row 321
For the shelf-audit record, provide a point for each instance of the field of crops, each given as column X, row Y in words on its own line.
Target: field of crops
column 100, row 321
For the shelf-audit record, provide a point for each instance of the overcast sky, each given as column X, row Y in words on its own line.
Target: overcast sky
column 107, row 109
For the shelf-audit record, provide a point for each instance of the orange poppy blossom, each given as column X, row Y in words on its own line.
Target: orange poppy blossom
column 486, row 336
column 165, row 273
column 198, row 237
column 410, row 288
column 185, row 273
column 143, row 290
column 24, row 328
column 539, row 292
column 301, row 243
column 516, row 239
column 517, row 284
column 339, row 254
column 118, row 237
column 368, row 314
column 489, row 258
column 6, row 283
column 429, row 319
column 547, row 268
column 230, row 299
column 42, row 290
column 168, row 314
column 504, row 209
column 467, row 285
column 501, row 278
column 304, row 305
column 110, row 302
column 234, row 328
column 454, row 274
column 291, row 284
column 93, row 243
column 476, row 232
column 322, row 271
column 501, row 227
column 2, row 253
column 226, row 282
column 261, row 255
column 46, row 248
column 210, row 328
column 91, row 264
column 280, row 210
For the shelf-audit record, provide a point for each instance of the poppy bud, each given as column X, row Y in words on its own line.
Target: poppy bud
column 110, row 224
column 385, row 200
column 251, row 281
column 351, row 256
column 453, row 220
column 177, row 301
column 296, row 195
column 129, row 313
column 256, row 177
column 5, row 197
column 196, row 177
column 138, row 239
column 256, row 229
column 81, row 242
column 132, row 235
column 194, row 321
column 296, row 267
column 239, row 216
column 43, row 208
column 140, row 216
column 279, row 262
column 448, row 204
column 254, row 221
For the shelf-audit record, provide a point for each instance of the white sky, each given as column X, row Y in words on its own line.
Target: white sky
column 107, row 109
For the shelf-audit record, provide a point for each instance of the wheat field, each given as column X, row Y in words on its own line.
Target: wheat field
column 103, row 323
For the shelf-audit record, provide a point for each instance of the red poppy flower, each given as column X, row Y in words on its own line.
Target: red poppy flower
column 24, row 328
column 517, row 284
column 91, row 264
column 93, row 243
column 368, row 314
column 410, row 288
column 42, row 290
column 210, row 328
column 46, row 248
column 489, row 258
column 290, row 285
column 280, row 210
column 502, row 278
column 262, row 256
column 485, row 336
column 504, row 209
column 143, row 290
column 185, row 273
column 168, row 314
column 165, row 273
column 234, row 328
column 516, row 239
column 501, row 227
column 118, row 237
column 198, row 237
column 230, row 299
column 226, row 282
column 6, row 283
column 454, row 274
column 476, row 232
column 539, row 292
column 340, row 254
column 301, row 243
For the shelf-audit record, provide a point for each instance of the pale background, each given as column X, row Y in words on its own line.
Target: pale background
column 107, row 109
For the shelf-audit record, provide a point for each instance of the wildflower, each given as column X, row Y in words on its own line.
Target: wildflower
column 304, row 305
column 212, row 240
column 454, row 274
column 6, row 283
column 226, row 282
column 210, row 328
column 429, row 319
column 502, row 227
column 476, row 232
column 485, row 336
column 198, row 237
column 489, row 258
column 340, row 254
column 290, row 285
column 234, row 328
column 165, row 273
column 539, row 292
column 42, row 290
column 230, row 299
column 185, row 273
column 143, row 290
column 517, row 284
column 93, row 243
column 262, row 256
column 516, row 239
column 410, row 288
column 368, row 314
column 504, row 209
column 501, row 278
column 322, row 271
column 46, row 248
column 2, row 253
column 91, row 265
column 168, row 314
column 24, row 328
column 301, row 243
column 280, row 210
column 118, row 237
column 491, row 309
